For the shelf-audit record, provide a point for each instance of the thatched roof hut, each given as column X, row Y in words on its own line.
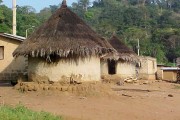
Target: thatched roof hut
column 67, row 39
column 64, row 34
column 123, row 63
column 124, row 52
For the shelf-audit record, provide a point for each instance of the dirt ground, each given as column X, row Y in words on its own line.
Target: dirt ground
column 155, row 101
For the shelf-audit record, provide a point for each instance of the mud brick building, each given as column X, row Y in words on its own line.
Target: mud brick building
column 10, row 68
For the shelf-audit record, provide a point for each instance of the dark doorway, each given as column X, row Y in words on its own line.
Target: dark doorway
column 111, row 67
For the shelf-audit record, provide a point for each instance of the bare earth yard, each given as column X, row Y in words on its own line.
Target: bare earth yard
column 155, row 101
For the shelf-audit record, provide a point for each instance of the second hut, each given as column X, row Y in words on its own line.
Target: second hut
column 122, row 65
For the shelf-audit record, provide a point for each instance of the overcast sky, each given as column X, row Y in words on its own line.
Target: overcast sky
column 37, row 4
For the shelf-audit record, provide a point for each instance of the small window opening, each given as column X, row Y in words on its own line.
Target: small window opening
column 1, row 52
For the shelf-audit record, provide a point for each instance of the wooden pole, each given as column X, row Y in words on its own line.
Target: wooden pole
column 14, row 16
column 138, row 48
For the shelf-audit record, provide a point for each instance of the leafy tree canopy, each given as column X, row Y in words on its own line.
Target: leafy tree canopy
column 155, row 23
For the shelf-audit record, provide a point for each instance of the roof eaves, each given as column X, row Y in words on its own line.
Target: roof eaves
column 15, row 37
column 170, row 68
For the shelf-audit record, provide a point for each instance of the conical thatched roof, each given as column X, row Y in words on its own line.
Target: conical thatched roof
column 124, row 53
column 64, row 34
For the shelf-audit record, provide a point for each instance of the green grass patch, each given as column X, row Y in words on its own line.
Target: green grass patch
column 22, row 113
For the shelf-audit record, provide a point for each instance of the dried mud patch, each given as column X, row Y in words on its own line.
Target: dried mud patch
column 84, row 89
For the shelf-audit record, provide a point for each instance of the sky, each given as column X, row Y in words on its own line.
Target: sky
column 37, row 4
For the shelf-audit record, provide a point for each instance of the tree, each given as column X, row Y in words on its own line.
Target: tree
column 1, row 14
column 25, row 9
column 44, row 14
column 53, row 8
column 26, row 18
column 5, row 19
column 176, row 6
column 84, row 4
column 133, row 35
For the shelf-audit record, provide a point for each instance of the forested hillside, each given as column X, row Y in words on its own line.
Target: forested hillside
column 155, row 23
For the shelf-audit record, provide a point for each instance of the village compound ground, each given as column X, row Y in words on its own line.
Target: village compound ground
column 157, row 100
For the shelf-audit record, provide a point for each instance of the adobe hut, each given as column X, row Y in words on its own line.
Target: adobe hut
column 170, row 73
column 64, row 48
column 123, row 64
column 148, row 68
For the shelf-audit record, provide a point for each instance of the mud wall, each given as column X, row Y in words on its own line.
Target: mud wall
column 126, row 69
column 87, row 69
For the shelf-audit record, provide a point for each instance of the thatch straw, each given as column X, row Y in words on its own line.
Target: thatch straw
column 124, row 53
column 64, row 35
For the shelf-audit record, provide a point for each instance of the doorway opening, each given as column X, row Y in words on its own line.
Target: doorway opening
column 112, row 67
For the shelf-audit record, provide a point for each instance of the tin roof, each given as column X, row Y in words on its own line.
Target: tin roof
column 170, row 68
column 15, row 37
